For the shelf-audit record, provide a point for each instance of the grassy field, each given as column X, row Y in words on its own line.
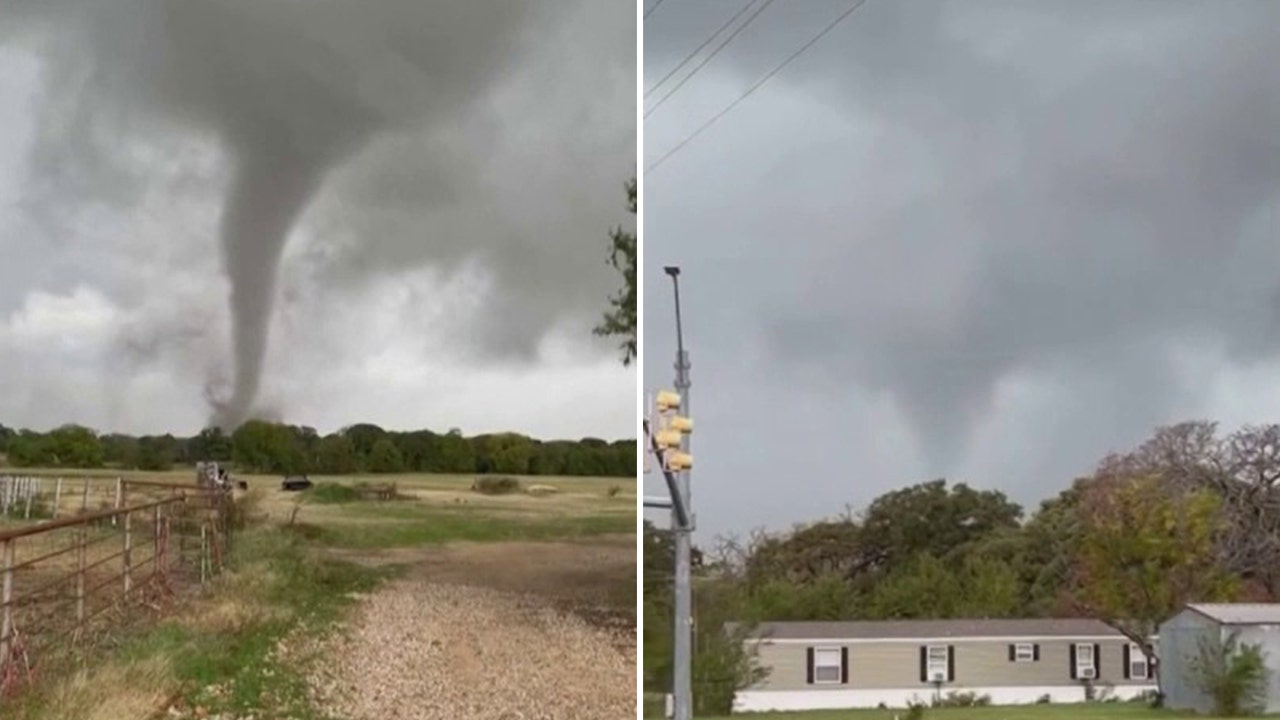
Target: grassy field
column 292, row 572
column 1082, row 711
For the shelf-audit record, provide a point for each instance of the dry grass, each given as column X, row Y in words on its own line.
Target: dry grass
column 281, row 579
column 110, row 691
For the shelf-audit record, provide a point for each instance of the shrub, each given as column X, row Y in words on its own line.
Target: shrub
column 1044, row 699
column 328, row 492
column 962, row 700
column 1234, row 675
column 915, row 710
column 614, row 490
column 490, row 485
column 242, row 510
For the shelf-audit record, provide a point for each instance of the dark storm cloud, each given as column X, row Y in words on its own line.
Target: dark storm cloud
column 423, row 132
column 948, row 197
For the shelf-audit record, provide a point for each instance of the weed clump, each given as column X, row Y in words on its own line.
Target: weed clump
column 332, row 493
column 488, row 485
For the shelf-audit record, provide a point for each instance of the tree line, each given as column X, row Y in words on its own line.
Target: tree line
column 264, row 447
column 1190, row 515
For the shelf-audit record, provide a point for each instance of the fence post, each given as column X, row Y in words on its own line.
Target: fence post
column 81, row 561
column 32, row 488
column 128, row 552
column 155, row 541
column 84, row 499
column 57, row 496
column 203, row 553
column 6, row 597
column 119, row 497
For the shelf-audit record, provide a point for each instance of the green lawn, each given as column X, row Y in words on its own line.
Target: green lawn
column 1082, row 711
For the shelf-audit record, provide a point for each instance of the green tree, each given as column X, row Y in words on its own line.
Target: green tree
column 156, row 453
column 385, row 457
column 120, row 450
column 1232, row 673
column 336, row 455
column 456, row 454
column 210, row 445
column 620, row 320
column 363, row 436
column 260, row 446
column 29, row 449
column 934, row 519
column 74, row 446
column 1145, row 551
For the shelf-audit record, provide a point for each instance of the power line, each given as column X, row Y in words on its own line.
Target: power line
column 830, row 26
column 709, row 57
column 653, row 7
column 698, row 49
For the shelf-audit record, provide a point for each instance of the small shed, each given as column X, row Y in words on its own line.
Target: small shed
column 1181, row 638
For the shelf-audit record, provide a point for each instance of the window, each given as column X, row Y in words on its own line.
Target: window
column 1137, row 663
column 1086, row 668
column 1024, row 652
column 936, row 667
column 828, row 665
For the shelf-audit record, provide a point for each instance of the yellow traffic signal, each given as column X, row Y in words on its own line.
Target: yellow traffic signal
column 668, row 438
column 668, row 401
column 677, row 461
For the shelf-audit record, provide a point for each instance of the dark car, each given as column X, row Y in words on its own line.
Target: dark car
column 294, row 483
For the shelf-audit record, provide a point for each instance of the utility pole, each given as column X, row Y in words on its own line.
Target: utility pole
column 668, row 439
column 683, row 646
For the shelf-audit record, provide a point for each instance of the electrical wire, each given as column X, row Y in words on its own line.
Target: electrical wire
column 649, row 12
column 698, row 49
column 714, row 118
column 709, row 57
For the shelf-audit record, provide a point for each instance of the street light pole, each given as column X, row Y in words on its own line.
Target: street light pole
column 683, row 646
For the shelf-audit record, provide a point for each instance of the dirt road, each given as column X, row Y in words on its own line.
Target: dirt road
column 494, row 631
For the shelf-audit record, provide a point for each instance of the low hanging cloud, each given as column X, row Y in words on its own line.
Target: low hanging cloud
column 274, row 150
column 976, row 208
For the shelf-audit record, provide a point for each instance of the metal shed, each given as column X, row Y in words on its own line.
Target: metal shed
column 1181, row 635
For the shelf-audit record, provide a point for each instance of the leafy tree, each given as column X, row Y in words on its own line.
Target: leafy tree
column 1233, row 674
column 28, row 449
column 336, row 455
column 210, row 445
column 808, row 552
column 455, row 454
column 934, row 519
column 620, row 320
column 6, row 433
column 385, row 457
column 259, row 446
column 1146, row 551
column 120, row 450
column 74, row 446
column 363, row 436
column 156, row 453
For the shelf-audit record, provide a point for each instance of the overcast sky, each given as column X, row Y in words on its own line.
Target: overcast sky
column 468, row 163
column 990, row 241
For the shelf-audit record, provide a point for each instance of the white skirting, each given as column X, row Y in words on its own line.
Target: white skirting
column 769, row 700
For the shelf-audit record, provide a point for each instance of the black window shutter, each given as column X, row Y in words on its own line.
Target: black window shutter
column 1012, row 657
column 1073, row 660
column 809, row 677
column 1035, row 652
column 844, row 666
column 951, row 663
column 924, row 664
column 1126, row 654
column 1097, row 661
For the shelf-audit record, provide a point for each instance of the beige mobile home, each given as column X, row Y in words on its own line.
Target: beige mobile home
column 814, row 665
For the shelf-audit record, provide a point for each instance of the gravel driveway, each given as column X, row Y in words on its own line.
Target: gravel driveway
column 492, row 632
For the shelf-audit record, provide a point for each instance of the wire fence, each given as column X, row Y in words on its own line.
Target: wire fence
column 79, row 572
